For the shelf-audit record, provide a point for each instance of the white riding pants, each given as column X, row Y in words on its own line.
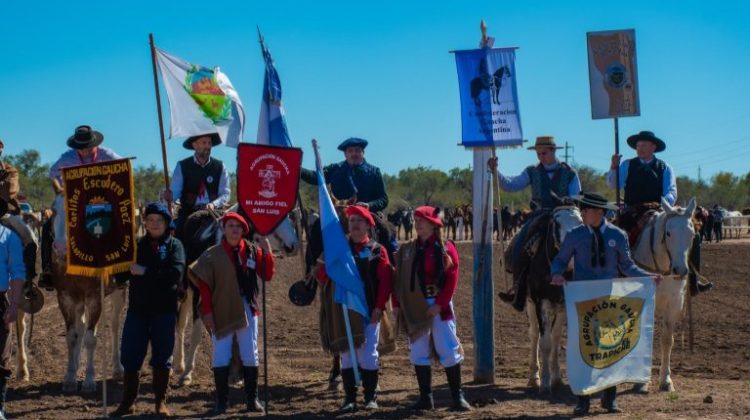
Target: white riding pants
column 446, row 343
column 247, row 339
column 367, row 353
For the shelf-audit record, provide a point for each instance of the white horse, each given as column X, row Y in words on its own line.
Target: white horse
column 81, row 306
column 545, row 307
column 663, row 248
column 283, row 239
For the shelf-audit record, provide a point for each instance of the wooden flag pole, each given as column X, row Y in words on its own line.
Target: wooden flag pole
column 161, row 120
column 103, row 280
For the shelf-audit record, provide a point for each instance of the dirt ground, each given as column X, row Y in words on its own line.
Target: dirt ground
column 712, row 382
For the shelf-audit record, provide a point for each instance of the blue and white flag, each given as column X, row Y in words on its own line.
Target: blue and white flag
column 272, row 123
column 201, row 100
column 489, row 101
column 340, row 265
column 610, row 332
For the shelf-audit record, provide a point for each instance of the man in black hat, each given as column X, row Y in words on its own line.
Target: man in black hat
column 84, row 148
column 353, row 179
column 198, row 182
column 646, row 180
column 547, row 179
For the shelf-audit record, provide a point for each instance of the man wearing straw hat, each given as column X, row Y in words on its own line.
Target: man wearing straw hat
column 84, row 148
column 549, row 178
column 601, row 251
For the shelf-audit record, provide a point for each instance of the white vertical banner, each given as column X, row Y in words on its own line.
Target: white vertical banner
column 610, row 332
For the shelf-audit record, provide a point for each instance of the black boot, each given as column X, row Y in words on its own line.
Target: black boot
column 130, row 383
column 370, row 385
column 609, row 401
column 161, row 385
column 350, row 390
column 424, row 379
column 582, row 408
column 221, row 380
column 454, row 383
column 250, row 374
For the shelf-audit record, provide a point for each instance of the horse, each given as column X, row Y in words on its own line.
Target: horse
column 407, row 220
column 468, row 222
column 545, row 306
column 449, row 220
column 202, row 230
column 486, row 82
column 396, row 219
column 80, row 303
column 662, row 247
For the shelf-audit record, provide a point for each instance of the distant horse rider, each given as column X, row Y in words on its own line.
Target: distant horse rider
column 548, row 177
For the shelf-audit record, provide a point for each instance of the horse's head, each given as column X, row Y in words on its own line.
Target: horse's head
column 567, row 218
column 677, row 235
column 285, row 238
column 58, row 226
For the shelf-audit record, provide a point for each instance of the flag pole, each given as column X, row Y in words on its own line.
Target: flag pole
column 265, row 338
column 344, row 307
column 161, row 120
column 617, row 170
column 103, row 280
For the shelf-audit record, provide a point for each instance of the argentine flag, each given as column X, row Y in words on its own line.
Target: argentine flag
column 201, row 100
column 271, row 124
column 340, row 265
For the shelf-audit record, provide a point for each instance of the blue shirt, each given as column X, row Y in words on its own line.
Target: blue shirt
column 618, row 261
column 669, row 184
column 72, row 158
column 519, row 182
column 11, row 258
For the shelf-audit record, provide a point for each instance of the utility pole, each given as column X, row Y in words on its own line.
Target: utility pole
column 567, row 155
column 699, row 175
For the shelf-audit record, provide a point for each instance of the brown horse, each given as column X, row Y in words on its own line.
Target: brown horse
column 81, row 307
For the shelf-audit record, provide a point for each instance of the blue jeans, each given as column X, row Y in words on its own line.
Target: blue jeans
column 138, row 331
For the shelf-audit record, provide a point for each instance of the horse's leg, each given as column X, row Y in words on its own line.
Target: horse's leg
column 183, row 315
column 670, row 317
column 118, row 303
column 334, row 378
column 545, row 347
column 93, row 313
column 195, row 339
column 557, row 329
column 533, row 346
column 72, row 312
column 22, row 368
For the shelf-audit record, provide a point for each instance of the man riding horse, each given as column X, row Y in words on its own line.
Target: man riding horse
column 199, row 181
column 84, row 148
column 646, row 180
column 549, row 177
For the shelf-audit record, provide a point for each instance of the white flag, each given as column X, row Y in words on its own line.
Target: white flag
column 201, row 100
column 610, row 332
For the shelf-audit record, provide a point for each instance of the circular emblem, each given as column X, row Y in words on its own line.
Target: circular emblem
column 612, row 243
column 209, row 179
column 616, row 75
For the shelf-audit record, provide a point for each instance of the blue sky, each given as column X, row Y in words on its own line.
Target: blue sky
column 381, row 71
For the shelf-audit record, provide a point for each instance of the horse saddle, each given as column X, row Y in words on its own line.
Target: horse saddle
column 634, row 219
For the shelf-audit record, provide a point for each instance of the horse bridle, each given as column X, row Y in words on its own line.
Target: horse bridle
column 652, row 241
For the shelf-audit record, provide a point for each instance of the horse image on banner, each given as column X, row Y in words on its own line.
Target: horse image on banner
column 489, row 101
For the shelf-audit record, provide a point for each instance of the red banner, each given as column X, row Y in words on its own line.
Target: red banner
column 267, row 183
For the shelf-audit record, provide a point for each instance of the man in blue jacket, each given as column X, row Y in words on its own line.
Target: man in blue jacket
column 353, row 179
column 601, row 251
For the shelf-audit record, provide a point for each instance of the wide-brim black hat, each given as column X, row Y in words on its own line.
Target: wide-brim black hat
column 85, row 137
column 648, row 136
column 302, row 292
column 352, row 141
column 215, row 140
column 589, row 200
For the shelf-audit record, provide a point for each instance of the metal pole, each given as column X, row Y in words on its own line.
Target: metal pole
column 161, row 120
column 617, row 152
column 265, row 338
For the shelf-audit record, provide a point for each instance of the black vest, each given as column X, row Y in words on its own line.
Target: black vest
column 192, row 177
column 248, row 280
column 645, row 181
column 541, row 184
column 367, row 265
